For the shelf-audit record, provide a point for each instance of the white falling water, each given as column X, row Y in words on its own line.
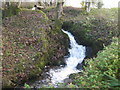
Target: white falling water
column 77, row 54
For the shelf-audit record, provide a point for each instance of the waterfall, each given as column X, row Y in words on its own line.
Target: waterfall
column 77, row 54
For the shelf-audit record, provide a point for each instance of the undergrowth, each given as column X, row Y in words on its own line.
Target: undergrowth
column 10, row 11
column 30, row 41
column 102, row 71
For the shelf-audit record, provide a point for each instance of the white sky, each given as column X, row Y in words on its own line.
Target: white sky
column 110, row 3
column 76, row 3
column 107, row 3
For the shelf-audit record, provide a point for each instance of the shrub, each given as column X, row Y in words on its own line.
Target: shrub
column 101, row 71
column 10, row 11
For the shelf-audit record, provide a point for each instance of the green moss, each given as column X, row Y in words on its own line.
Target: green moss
column 89, row 29
column 10, row 11
column 24, row 59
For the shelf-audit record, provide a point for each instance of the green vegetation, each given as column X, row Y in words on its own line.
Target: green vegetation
column 99, row 72
column 102, row 71
column 27, row 86
column 33, row 39
column 94, row 29
column 30, row 41
column 10, row 11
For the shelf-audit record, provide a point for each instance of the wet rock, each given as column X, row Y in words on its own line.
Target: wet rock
column 68, row 80
column 79, row 66
column 89, row 52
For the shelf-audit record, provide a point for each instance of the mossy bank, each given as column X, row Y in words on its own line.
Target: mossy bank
column 30, row 41
column 94, row 29
column 98, row 31
column 33, row 39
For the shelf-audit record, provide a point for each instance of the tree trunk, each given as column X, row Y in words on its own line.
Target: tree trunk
column 59, row 9
column 87, row 6
column 7, row 4
column 15, row 4
column 51, row 3
column 19, row 3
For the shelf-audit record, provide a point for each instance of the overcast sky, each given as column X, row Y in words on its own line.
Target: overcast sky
column 111, row 3
column 107, row 3
column 76, row 3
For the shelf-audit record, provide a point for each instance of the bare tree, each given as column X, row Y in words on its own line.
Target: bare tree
column 5, row 4
column 19, row 3
column 99, row 4
column 51, row 2
column 87, row 5
column 95, row 3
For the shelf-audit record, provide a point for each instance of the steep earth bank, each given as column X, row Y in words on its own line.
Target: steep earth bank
column 30, row 41
column 33, row 39
column 94, row 30
column 98, row 30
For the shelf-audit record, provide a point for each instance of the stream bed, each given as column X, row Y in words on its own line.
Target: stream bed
column 59, row 74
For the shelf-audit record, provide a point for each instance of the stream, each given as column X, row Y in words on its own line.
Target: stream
column 58, row 75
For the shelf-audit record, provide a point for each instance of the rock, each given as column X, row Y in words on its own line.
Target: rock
column 89, row 52
column 67, row 81
column 79, row 66
column 38, row 7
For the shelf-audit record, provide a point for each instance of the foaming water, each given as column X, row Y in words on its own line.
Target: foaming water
column 77, row 54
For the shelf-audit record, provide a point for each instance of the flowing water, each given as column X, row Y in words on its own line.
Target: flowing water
column 76, row 56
